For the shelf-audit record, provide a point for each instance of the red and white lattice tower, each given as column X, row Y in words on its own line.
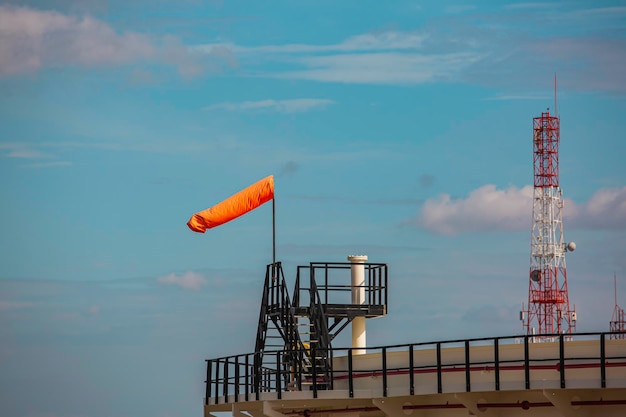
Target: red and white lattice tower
column 548, row 310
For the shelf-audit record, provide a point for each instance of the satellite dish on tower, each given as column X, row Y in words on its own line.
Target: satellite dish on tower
column 571, row 246
column 535, row 275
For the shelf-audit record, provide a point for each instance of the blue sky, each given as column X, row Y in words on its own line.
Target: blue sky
column 401, row 130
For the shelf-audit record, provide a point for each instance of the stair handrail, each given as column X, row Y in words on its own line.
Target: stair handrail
column 318, row 318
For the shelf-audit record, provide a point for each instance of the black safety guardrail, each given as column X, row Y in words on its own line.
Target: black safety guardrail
column 232, row 376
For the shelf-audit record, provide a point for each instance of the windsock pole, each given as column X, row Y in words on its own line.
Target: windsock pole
column 274, row 229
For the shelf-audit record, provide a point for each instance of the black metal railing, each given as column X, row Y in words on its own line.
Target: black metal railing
column 228, row 378
column 330, row 279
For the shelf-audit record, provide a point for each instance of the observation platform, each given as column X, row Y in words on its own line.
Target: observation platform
column 574, row 375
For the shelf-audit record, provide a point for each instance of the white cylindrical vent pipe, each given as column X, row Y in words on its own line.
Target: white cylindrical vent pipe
column 357, row 273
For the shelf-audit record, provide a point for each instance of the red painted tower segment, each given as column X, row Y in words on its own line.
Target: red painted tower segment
column 546, row 135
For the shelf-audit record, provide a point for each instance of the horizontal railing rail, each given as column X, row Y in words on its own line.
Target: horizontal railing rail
column 229, row 378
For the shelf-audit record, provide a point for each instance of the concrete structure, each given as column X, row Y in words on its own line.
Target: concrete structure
column 577, row 375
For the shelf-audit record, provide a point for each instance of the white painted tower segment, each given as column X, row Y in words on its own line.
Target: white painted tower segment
column 357, row 273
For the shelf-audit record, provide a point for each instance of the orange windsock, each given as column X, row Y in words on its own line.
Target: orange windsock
column 234, row 206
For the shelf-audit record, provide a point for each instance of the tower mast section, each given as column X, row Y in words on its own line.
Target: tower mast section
column 548, row 311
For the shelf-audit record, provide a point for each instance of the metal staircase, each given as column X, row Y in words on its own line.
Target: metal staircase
column 277, row 331
column 319, row 341
column 302, row 328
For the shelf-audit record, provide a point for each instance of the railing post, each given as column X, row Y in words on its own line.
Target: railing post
column 381, row 283
column 368, row 284
column 247, row 371
column 329, row 359
column 208, row 383
column 350, row 380
column 468, row 386
column 226, row 380
column 496, row 362
column 377, row 279
column 602, row 361
column 326, row 283
column 439, row 387
column 217, row 380
column 384, row 372
column 278, row 376
column 314, row 370
column 257, row 375
column 411, row 371
column 526, row 364
column 562, row 360
column 300, row 367
column 386, row 300
column 236, row 378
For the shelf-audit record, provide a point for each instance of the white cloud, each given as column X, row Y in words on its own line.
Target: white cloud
column 488, row 209
column 189, row 280
column 48, row 164
column 390, row 57
column 375, row 41
column 382, row 41
column 606, row 209
column 26, row 151
column 282, row 106
column 518, row 97
column 484, row 209
column 460, row 8
column 616, row 10
column 536, row 5
column 26, row 154
column 462, row 48
column 31, row 39
column 382, row 68
column 22, row 151
column 14, row 305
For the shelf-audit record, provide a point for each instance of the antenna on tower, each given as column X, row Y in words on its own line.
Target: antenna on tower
column 615, row 286
column 556, row 109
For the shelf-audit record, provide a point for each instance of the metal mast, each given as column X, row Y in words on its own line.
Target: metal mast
column 548, row 310
column 618, row 320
